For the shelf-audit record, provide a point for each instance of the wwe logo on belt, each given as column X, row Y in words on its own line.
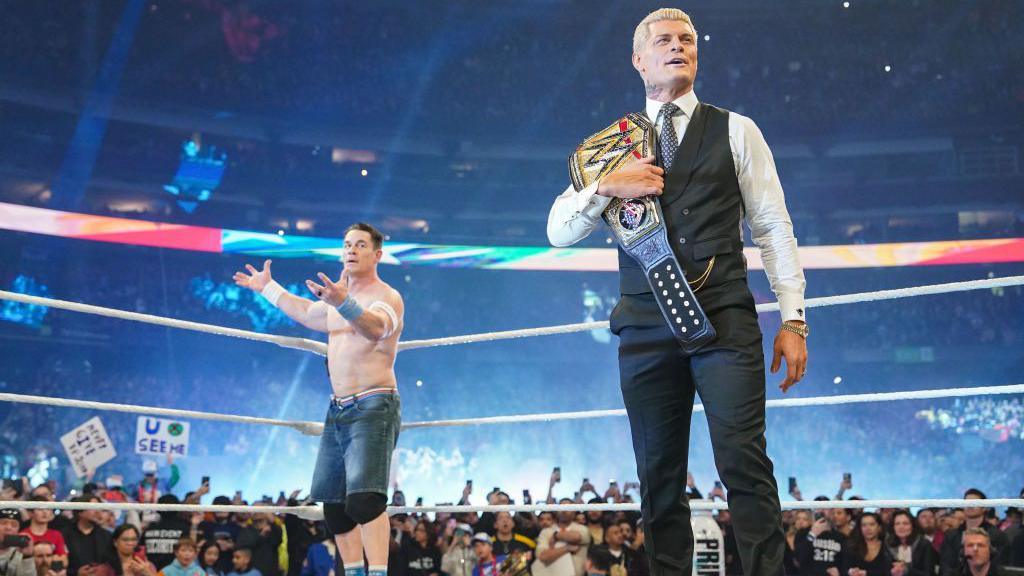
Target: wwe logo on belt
column 607, row 153
column 631, row 214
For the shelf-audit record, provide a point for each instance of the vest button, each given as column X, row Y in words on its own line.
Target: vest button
column 686, row 211
column 682, row 240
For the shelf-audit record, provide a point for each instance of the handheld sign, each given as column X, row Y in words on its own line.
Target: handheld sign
column 157, row 436
column 88, row 447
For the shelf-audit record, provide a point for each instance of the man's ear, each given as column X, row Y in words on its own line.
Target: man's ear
column 637, row 64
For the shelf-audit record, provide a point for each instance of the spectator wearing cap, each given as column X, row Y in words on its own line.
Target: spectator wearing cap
column 15, row 561
column 459, row 559
column 150, row 488
column 506, row 540
column 184, row 564
column 565, row 538
column 39, row 529
column 952, row 545
column 161, row 537
column 114, row 491
column 88, row 544
column 486, row 563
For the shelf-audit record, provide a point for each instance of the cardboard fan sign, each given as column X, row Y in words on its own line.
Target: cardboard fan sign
column 159, row 436
column 88, row 447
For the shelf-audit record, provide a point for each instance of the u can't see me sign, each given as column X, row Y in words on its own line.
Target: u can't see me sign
column 156, row 436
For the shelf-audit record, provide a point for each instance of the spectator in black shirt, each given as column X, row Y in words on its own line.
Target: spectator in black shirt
column 422, row 556
column 819, row 549
column 867, row 555
column 160, row 537
column 505, row 539
column 89, row 546
column 263, row 538
column 912, row 554
column 978, row 558
column 952, row 545
column 802, row 521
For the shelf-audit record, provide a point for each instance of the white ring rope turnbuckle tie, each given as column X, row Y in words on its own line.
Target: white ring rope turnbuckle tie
column 315, row 428
column 321, row 348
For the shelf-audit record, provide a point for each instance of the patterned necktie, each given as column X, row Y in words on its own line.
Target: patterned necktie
column 669, row 141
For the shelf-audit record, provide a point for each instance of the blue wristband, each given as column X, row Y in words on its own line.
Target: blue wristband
column 350, row 309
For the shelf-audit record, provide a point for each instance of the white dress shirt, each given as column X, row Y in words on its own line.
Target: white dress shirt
column 575, row 214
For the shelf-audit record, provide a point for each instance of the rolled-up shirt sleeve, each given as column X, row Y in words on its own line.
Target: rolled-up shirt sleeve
column 765, row 212
column 574, row 215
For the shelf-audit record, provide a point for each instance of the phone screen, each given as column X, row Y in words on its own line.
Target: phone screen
column 792, row 484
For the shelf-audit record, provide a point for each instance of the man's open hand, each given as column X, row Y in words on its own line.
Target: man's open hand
column 334, row 293
column 256, row 280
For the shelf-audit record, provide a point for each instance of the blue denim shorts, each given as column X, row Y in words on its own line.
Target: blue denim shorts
column 355, row 448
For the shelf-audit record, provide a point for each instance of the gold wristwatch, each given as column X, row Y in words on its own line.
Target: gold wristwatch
column 802, row 330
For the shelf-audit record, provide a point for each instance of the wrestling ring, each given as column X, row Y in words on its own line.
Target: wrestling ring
column 315, row 428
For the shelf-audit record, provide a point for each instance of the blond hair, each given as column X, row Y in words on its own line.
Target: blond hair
column 643, row 31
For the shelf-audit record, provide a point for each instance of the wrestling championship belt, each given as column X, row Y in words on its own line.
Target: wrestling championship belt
column 639, row 226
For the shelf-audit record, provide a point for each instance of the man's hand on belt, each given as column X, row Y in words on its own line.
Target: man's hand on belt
column 639, row 179
column 793, row 348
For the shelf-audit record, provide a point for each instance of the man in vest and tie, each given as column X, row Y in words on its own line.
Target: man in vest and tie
column 712, row 171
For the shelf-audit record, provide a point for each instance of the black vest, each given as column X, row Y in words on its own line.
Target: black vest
column 702, row 205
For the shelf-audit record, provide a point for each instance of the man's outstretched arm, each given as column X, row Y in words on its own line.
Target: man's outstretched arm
column 312, row 315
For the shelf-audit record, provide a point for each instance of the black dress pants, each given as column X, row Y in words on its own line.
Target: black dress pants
column 658, row 385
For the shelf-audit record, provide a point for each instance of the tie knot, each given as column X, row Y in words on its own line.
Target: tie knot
column 669, row 110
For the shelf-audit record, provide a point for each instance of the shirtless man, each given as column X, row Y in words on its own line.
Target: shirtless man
column 363, row 318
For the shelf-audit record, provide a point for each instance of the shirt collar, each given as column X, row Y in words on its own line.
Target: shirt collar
column 687, row 103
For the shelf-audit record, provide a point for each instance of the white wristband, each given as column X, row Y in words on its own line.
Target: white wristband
column 273, row 292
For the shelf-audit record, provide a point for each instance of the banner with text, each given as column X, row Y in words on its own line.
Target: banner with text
column 156, row 436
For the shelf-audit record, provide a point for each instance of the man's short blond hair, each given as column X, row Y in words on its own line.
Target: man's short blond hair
column 643, row 31
column 978, row 532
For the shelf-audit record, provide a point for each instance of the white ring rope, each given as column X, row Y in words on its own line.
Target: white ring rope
column 315, row 428
column 309, row 428
column 283, row 341
column 765, row 307
column 775, row 403
column 316, row 512
column 321, row 348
